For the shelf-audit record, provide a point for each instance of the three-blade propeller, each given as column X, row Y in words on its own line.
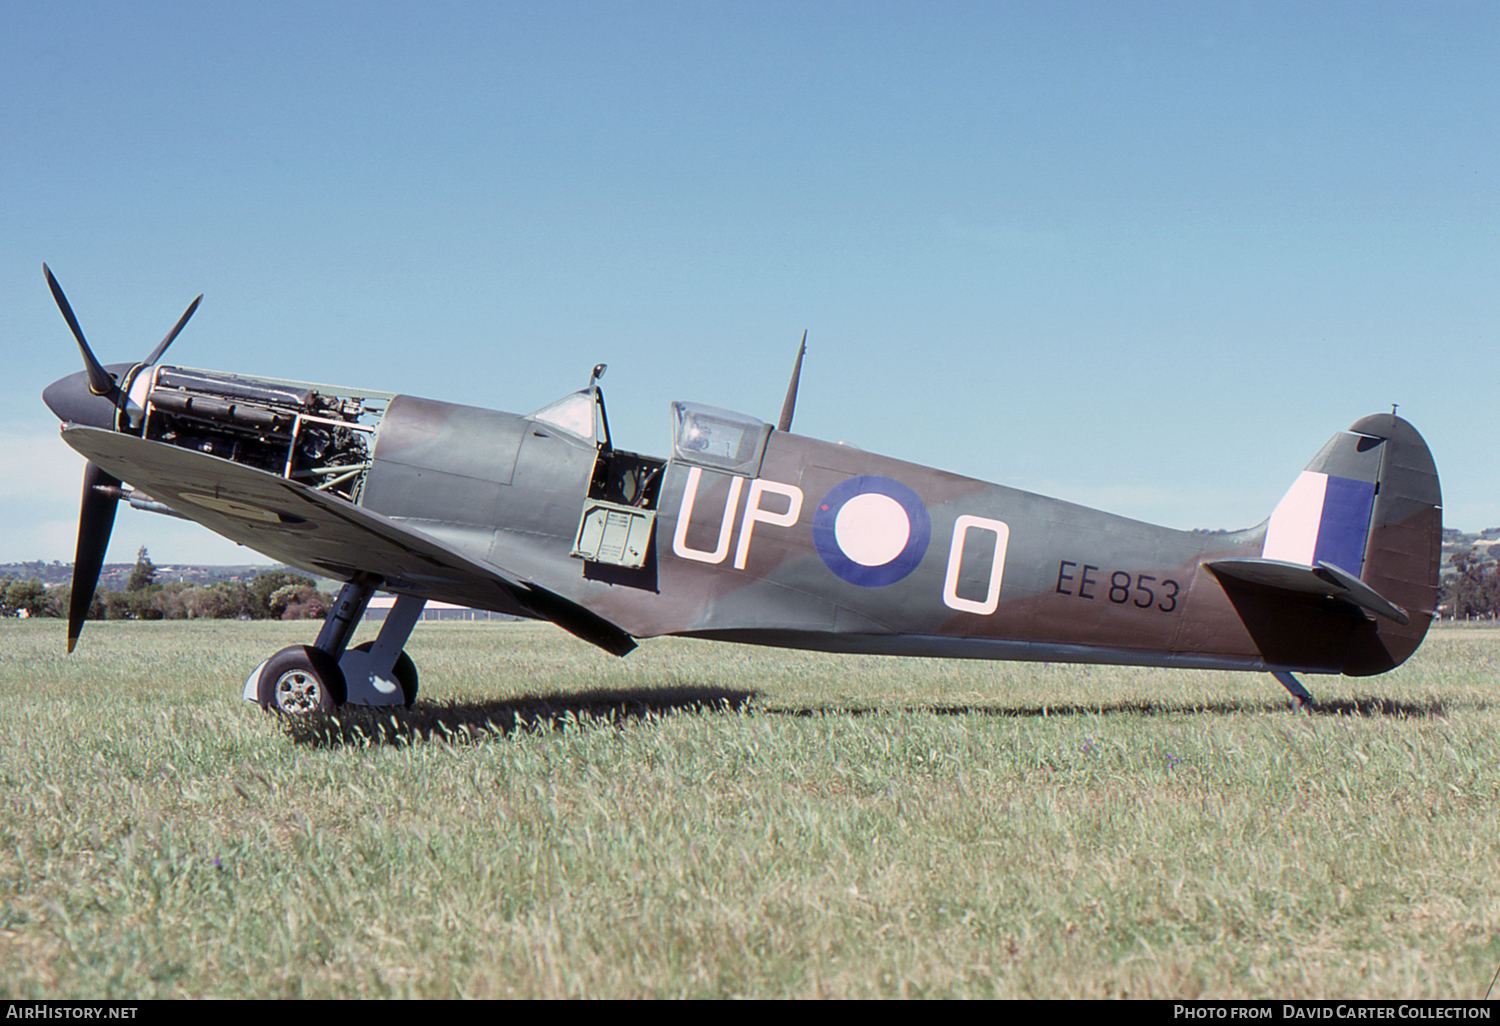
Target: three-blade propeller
column 96, row 517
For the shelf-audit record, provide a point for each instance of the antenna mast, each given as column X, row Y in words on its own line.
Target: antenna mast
column 785, row 423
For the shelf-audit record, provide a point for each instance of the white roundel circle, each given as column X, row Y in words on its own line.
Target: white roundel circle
column 872, row 529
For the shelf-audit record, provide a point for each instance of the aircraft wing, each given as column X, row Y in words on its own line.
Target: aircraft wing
column 328, row 535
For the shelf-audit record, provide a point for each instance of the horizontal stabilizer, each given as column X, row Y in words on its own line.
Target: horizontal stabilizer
column 1322, row 579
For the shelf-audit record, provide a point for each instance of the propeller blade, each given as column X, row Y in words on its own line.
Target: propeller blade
column 181, row 321
column 96, row 518
column 100, row 382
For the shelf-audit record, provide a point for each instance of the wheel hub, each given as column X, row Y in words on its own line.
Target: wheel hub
column 298, row 691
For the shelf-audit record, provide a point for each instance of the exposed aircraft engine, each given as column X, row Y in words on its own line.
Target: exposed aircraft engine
column 310, row 433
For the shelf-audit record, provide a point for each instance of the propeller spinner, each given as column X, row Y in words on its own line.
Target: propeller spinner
column 97, row 396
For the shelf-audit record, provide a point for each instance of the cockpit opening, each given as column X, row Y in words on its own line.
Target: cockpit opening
column 619, row 512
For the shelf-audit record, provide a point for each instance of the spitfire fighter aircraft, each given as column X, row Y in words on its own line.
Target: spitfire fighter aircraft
column 742, row 532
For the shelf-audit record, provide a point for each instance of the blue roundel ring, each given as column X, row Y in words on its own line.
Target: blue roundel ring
column 825, row 537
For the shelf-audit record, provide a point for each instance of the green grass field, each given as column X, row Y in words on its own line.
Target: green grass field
column 704, row 820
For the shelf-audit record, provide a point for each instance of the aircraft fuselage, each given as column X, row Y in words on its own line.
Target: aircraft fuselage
column 830, row 547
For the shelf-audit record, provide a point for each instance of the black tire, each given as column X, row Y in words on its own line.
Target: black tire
column 300, row 680
column 405, row 672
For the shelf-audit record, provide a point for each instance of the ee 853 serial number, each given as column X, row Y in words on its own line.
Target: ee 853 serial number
column 1086, row 581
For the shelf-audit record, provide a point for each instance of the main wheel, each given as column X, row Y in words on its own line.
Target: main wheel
column 405, row 672
column 301, row 680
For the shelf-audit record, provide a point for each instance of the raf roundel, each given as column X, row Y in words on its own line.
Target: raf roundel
column 871, row 531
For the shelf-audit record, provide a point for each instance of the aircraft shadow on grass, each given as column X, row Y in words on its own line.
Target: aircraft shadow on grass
column 1368, row 706
column 463, row 722
column 1365, row 706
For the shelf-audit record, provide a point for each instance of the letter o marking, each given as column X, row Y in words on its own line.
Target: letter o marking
column 961, row 527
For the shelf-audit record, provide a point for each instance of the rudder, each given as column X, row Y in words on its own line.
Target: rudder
column 1403, row 556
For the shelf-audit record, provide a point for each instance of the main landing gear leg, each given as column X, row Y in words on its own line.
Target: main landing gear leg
column 1300, row 694
column 348, row 609
column 378, row 672
column 304, row 679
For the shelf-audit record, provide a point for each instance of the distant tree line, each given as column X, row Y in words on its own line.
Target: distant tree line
column 275, row 595
column 1473, row 590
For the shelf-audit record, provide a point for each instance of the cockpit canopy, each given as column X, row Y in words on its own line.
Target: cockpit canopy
column 717, row 438
column 705, row 435
column 573, row 413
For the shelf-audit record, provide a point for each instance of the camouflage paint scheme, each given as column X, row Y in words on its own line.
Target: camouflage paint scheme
column 743, row 533
column 824, row 546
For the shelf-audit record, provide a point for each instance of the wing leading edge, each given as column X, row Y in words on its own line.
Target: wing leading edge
column 317, row 532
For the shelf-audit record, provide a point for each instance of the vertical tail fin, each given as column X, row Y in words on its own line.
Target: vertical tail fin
column 1326, row 515
column 1369, row 505
column 1347, row 576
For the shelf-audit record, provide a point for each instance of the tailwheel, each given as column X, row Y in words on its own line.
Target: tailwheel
column 299, row 680
column 405, row 673
column 1302, row 699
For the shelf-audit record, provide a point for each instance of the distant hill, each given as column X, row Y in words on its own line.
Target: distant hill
column 1455, row 541
column 115, row 575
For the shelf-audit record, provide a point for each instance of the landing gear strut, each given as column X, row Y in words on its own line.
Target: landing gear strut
column 1300, row 695
column 379, row 672
column 322, row 676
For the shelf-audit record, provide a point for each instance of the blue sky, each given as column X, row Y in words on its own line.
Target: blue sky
column 1145, row 256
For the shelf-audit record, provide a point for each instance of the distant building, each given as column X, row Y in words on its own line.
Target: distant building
column 380, row 605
